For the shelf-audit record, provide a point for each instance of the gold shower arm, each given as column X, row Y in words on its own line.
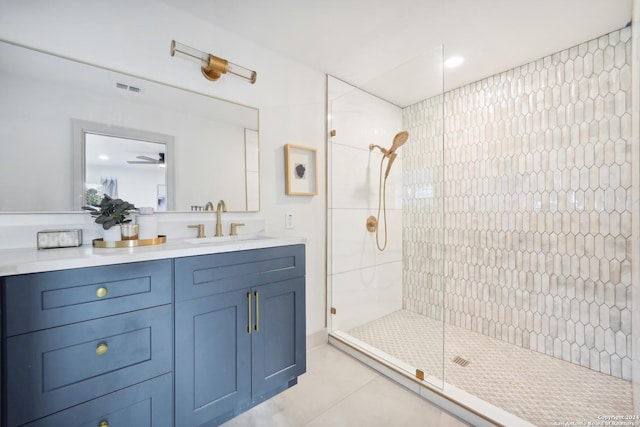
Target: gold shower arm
column 384, row 150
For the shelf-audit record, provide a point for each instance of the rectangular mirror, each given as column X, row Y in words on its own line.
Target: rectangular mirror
column 165, row 147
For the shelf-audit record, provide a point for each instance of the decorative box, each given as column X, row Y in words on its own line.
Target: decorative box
column 49, row 239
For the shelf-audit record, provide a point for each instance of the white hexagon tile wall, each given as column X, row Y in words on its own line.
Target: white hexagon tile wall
column 519, row 227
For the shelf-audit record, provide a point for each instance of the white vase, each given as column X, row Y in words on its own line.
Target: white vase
column 148, row 226
column 113, row 234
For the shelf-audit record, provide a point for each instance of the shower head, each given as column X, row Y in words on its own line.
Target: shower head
column 399, row 140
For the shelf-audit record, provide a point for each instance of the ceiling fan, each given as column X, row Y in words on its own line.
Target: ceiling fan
column 146, row 160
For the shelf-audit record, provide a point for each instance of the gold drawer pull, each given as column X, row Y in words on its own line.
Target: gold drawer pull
column 101, row 349
column 101, row 292
column 103, row 424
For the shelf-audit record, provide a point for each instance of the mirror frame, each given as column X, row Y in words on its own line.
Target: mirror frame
column 79, row 130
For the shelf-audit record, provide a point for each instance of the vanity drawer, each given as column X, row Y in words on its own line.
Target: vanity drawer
column 204, row 275
column 148, row 404
column 51, row 370
column 44, row 300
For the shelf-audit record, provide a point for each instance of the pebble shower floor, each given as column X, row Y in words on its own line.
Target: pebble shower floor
column 538, row 388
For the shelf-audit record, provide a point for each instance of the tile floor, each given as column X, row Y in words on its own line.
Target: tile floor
column 339, row 391
column 538, row 388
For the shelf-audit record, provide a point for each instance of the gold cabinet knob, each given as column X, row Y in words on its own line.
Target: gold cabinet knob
column 103, row 424
column 101, row 292
column 101, row 349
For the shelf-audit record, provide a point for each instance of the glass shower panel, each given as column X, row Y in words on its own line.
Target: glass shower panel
column 388, row 302
column 424, row 280
column 367, row 282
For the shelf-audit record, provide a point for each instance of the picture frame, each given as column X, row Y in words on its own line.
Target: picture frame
column 301, row 170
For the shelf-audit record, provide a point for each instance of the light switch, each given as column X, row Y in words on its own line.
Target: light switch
column 288, row 222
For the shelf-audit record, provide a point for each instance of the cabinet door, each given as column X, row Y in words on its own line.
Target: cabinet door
column 279, row 340
column 213, row 357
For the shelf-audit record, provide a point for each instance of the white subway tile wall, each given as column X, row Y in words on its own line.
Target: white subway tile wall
column 517, row 224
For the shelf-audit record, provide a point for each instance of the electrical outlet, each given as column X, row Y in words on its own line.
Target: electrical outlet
column 288, row 221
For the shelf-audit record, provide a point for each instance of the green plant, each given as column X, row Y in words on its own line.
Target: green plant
column 92, row 197
column 110, row 212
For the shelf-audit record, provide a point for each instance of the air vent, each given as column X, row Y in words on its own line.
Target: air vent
column 129, row 88
column 461, row 361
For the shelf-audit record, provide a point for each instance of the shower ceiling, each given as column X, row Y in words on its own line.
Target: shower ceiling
column 361, row 41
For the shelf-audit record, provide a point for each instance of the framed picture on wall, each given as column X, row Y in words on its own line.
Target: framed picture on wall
column 301, row 170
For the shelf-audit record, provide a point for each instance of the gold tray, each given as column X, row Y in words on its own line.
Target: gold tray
column 99, row 243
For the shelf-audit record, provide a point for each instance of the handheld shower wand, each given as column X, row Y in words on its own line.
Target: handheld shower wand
column 390, row 155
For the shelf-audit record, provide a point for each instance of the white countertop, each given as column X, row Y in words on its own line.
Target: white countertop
column 31, row 260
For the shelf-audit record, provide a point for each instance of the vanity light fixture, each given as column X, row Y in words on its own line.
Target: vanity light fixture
column 212, row 67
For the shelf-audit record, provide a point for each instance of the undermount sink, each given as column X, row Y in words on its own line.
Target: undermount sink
column 226, row 239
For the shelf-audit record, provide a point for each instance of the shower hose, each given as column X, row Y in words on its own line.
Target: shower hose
column 382, row 201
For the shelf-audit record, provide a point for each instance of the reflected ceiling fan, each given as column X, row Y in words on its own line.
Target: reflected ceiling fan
column 146, row 160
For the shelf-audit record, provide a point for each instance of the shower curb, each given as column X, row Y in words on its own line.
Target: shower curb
column 459, row 403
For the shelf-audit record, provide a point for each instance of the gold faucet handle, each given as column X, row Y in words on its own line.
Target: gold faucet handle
column 234, row 228
column 200, row 228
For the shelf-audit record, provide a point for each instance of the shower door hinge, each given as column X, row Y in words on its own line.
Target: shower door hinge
column 420, row 374
column 333, row 310
column 333, row 132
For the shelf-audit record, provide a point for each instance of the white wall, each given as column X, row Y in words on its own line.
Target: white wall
column 134, row 37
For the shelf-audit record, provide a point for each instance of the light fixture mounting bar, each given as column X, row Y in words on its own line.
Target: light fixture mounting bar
column 212, row 67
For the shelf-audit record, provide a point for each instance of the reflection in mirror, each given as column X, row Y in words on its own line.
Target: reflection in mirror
column 123, row 163
column 42, row 164
column 141, row 183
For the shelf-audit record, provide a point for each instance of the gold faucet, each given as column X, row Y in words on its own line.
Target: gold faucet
column 222, row 207
column 208, row 205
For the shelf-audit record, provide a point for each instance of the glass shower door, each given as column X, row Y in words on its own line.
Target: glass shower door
column 388, row 302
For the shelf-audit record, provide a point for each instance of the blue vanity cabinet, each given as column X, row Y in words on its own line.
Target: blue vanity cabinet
column 189, row 341
column 75, row 342
column 240, row 331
